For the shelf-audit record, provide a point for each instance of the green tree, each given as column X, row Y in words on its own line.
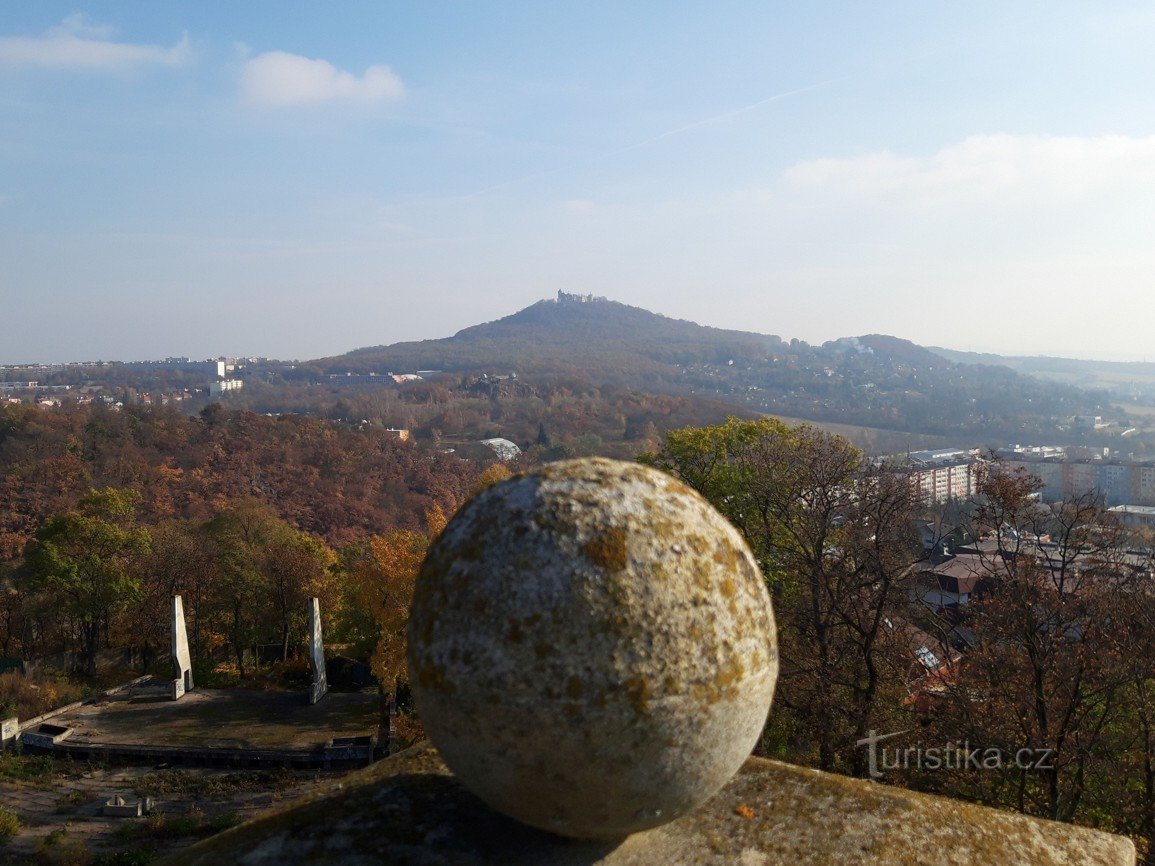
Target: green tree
column 85, row 561
column 238, row 600
column 297, row 569
column 715, row 461
column 266, row 570
column 181, row 563
column 834, row 538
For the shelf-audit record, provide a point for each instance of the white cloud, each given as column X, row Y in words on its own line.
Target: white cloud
column 1051, row 236
column 1004, row 168
column 277, row 78
column 76, row 44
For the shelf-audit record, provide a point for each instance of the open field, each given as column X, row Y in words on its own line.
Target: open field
column 876, row 441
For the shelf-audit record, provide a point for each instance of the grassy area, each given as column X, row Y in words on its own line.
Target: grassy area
column 26, row 697
column 9, row 825
column 162, row 827
column 60, row 849
column 875, row 440
column 36, row 769
column 138, row 842
column 41, row 770
column 193, row 784
column 70, row 803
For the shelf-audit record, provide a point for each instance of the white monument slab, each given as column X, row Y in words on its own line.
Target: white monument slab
column 182, row 660
column 320, row 684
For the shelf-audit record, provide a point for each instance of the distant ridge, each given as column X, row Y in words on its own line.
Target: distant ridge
column 873, row 380
column 1125, row 380
column 557, row 333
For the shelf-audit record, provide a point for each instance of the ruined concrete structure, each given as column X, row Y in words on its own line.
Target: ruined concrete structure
column 9, row 730
column 118, row 807
column 182, row 660
column 320, row 684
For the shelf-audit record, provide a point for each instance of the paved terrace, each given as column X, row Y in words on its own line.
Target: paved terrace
column 220, row 719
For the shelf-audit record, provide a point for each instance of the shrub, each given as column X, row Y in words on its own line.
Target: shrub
column 56, row 849
column 192, row 784
column 27, row 697
column 129, row 857
column 68, row 804
column 9, row 824
column 26, row 768
column 161, row 827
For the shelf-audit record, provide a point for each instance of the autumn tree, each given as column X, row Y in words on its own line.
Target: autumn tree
column 833, row 536
column 381, row 581
column 1130, row 789
column 296, row 566
column 86, row 561
column 1051, row 649
column 492, row 474
column 380, row 577
column 181, row 562
column 265, row 573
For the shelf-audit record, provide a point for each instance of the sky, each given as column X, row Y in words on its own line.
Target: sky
column 298, row 179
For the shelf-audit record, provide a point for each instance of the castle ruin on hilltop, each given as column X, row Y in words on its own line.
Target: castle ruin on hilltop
column 568, row 298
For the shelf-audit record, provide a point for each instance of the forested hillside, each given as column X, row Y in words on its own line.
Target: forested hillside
column 1132, row 381
column 336, row 481
column 875, row 381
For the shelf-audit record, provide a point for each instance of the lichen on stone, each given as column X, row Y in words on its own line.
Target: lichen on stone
column 608, row 549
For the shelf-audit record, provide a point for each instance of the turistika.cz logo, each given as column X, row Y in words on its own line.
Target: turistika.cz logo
column 952, row 756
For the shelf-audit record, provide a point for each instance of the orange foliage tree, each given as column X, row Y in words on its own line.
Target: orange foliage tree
column 381, row 582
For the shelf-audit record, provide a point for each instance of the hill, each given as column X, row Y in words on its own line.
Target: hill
column 1124, row 380
column 874, row 380
column 575, row 333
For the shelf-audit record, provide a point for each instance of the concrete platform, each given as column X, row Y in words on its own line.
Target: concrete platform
column 228, row 727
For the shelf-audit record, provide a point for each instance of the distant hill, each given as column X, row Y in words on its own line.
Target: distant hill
column 1126, row 380
column 574, row 333
column 874, row 380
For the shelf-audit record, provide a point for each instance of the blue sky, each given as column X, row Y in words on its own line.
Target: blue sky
column 299, row 179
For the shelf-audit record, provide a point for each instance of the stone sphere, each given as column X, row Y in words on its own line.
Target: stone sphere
column 592, row 648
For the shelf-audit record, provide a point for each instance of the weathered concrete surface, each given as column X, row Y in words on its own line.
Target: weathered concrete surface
column 591, row 647
column 320, row 685
column 119, row 807
column 9, row 729
column 220, row 719
column 409, row 809
column 45, row 734
column 181, row 658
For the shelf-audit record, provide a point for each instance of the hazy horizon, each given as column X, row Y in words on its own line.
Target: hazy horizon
column 290, row 180
column 344, row 350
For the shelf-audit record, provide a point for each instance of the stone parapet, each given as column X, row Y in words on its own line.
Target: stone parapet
column 410, row 809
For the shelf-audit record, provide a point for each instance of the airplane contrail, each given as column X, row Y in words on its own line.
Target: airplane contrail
column 669, row 133
column 718, row 118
